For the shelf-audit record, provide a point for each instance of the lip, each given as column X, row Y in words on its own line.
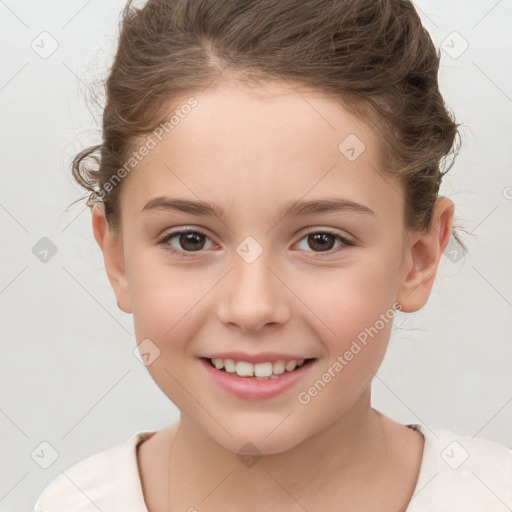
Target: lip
column 249, row 389
column 261, row 357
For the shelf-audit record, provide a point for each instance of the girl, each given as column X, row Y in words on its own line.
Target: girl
column 266, row 198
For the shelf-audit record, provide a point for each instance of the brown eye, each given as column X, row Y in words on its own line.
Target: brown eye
column 189, row 242
column 323, row 242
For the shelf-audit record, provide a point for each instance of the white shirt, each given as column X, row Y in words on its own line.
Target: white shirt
column 457, row 474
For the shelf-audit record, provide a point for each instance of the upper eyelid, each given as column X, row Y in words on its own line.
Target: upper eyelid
column 183, row 231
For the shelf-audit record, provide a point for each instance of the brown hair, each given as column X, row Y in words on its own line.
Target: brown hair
column 375, row 53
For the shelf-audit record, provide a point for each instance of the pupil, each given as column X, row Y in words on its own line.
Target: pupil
column 321, row 238
column 191, row 237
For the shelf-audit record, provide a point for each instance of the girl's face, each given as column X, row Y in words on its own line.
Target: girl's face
column 256, row 278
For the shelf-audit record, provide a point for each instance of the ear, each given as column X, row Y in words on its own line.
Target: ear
column 113, row 257
column 423, row 253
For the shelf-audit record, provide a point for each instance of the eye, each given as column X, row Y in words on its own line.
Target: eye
column 323, row 241
column 191, row 240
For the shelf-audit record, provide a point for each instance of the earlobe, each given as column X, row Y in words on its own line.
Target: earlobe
column 113, row 257
column 424, row 252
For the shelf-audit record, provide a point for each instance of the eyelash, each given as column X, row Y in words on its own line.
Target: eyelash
column 193, row 254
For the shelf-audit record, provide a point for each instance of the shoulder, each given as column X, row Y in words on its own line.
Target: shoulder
column 462, row 473
column 95, row 483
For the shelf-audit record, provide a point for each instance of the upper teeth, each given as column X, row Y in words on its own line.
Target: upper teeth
column 246, row 369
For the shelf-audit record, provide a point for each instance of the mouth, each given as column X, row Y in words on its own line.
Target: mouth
column 269, row 370
column 269, row 376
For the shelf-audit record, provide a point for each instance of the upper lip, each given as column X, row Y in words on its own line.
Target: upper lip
column 261, row 357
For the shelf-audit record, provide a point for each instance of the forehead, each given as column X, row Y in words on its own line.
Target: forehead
column 261, row 146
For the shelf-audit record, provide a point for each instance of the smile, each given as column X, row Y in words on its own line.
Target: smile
column 259, row 371
column 255, row 381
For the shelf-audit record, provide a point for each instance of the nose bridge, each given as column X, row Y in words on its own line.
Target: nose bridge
column 255, row 296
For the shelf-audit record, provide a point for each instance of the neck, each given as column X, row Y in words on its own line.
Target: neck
column 349, row 453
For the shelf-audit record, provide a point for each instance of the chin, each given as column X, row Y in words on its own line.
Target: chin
column 257, row 438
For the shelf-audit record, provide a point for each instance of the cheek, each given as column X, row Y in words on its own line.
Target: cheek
column 358, row 317
column 166, row 306
column 164, row 296
column 169, row 305
column 355, row 309
column 349, row 300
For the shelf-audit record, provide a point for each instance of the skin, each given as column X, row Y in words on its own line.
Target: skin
column 249, row 151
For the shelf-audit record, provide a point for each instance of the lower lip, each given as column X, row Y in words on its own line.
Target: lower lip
column 251, row 389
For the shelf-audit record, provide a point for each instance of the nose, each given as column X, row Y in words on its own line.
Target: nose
column 253, row 296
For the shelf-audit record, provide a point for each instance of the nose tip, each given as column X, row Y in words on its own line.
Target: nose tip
column 253, row 316
column 255, row 299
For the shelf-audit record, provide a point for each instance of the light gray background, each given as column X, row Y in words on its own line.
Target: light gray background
column 68, row 373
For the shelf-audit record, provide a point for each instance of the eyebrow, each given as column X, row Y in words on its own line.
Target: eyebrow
column 291, row 209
